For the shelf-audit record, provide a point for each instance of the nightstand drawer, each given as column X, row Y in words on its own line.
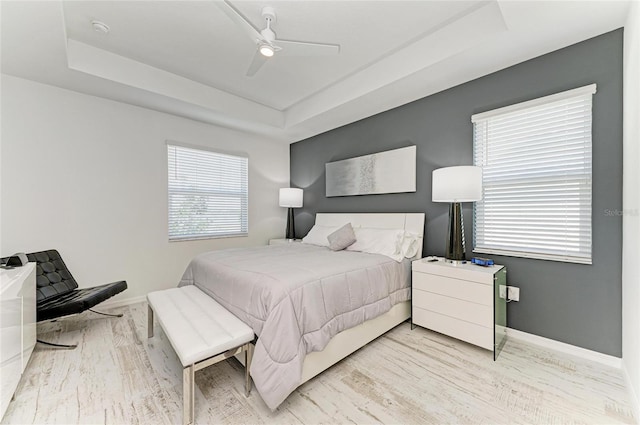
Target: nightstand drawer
column 452, row 307
column 478, row 293
column 469, row 332
column 466, row 271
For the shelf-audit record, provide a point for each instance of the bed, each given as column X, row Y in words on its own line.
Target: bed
column 310, row 306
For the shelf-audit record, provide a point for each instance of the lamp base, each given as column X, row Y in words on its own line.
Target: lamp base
column 455, row 240
column 455, row 262
column 291, row 228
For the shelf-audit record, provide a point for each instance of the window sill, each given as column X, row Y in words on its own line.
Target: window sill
column 199, row 238
column 534, row 256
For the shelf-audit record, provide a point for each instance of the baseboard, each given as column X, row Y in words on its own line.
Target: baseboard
column 595, row 356
column 633, row 396
column 121, row 303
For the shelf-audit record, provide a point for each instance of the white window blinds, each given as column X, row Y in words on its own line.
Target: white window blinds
column 208, row 194
column 536, row 161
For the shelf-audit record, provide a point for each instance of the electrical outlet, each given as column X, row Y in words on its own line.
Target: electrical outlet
column 503, row 291
column 513, row 293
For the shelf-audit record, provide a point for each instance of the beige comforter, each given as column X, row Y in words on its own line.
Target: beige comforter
column 296, row 297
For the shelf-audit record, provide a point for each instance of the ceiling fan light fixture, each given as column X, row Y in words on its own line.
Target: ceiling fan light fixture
column 266, row 50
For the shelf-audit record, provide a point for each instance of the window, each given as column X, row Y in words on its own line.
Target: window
column 536, row 161
column 208, row 194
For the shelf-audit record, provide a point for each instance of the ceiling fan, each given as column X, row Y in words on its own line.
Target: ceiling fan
column 267, row 45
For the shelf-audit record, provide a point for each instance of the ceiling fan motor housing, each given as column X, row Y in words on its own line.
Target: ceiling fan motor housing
column 268, row 35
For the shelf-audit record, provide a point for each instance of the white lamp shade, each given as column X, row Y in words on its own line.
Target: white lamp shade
column 291, row 197
column 457, row 184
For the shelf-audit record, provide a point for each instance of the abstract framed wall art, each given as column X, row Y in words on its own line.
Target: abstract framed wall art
column 391, row 171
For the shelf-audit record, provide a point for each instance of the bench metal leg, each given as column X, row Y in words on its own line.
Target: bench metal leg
column 150, row 322
column 248, row 356
column 188, row 396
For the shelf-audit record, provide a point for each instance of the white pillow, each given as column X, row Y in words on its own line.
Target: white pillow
column 379, row 241
column 318, row 235
column 410, row 245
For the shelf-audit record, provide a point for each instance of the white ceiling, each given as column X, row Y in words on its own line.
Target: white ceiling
column 189, row 58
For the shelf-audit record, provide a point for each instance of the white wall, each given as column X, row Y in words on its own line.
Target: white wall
column 88, row 176
column 631, row 218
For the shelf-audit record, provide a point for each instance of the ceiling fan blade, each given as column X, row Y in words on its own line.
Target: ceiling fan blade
column 302, row 48
column 240, row 20
column 256, row 63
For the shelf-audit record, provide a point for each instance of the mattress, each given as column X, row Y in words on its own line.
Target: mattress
column 296, row 297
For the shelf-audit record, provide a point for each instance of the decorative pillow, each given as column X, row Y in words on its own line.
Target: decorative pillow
column 379, row 241
column 410, row 245
column 318, row 235
column 342, row 238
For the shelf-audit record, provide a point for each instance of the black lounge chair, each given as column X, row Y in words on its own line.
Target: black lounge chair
column 58, row 294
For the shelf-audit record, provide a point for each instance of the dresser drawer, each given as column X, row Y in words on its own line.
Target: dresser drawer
column 479, row 293
column 460, row 329
column 453, row 307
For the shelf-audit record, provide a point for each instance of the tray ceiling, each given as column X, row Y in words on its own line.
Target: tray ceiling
column 190, row 59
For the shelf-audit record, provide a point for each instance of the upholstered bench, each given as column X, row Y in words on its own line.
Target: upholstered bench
column 201, row 332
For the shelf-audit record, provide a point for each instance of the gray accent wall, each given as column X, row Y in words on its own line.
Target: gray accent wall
column 572, row 303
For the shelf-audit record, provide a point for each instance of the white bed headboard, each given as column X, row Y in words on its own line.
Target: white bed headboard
column 411, row 222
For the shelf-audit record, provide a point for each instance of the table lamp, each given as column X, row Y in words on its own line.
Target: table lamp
column 456, row 185
column 290, row 198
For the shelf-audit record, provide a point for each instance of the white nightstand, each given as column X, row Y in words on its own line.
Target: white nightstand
column 460, row 300
column 283, row 241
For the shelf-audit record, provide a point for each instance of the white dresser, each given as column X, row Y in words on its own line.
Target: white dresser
column 17, row 327
column 460, row 300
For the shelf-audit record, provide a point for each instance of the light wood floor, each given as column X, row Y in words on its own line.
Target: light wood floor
column 117, row 376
